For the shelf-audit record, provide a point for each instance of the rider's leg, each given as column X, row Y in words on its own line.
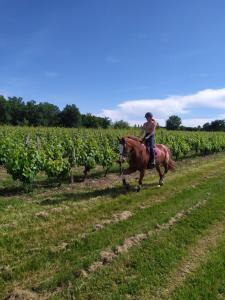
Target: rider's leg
column 149, row 150
column 152, row 153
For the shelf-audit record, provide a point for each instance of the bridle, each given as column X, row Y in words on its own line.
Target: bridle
column 123, row 151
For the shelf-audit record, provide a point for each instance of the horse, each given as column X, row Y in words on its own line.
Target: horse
column 132, row 148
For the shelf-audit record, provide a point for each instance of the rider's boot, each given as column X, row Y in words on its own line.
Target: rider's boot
column 151, row 163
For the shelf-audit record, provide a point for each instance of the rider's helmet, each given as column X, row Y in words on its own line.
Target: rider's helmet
column 148, row 115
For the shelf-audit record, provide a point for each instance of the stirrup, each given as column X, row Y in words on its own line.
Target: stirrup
column 151, row 165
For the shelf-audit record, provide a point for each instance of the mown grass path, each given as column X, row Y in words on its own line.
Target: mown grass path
column 197, row 254
column 47, row 238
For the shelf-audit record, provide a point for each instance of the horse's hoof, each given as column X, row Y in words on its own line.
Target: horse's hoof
column 158, row 185
column 127, row 186
column 137, row 189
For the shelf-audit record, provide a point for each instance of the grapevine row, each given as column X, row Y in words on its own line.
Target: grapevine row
column 24, row 152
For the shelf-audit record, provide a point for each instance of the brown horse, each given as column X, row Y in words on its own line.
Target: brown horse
column 131, row 148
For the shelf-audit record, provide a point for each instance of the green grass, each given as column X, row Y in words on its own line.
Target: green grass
column 208, row 282
column 30, row 253
column 144, row 269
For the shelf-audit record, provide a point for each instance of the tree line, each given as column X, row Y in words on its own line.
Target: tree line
column 14, row 111
column 175, row 123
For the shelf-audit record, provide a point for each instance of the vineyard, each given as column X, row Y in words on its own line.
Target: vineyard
column 25, row 152
column 93, row 239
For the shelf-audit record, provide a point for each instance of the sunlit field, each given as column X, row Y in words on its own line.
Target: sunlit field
column 63, row 237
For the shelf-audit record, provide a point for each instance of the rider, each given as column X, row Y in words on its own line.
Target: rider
column 148, row 135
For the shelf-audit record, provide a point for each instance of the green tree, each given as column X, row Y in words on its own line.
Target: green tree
column 16, row 110
column 70, row 116
column 217, row 125
column 105, row 122
column 4, row 115
column 42, row 114
column 48, row 114
column 173, row 123
column 206, row 126
column 90, row 121
column 121, row 125
column 32, row 113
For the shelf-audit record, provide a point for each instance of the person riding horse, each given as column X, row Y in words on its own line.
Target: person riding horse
column 148, row 137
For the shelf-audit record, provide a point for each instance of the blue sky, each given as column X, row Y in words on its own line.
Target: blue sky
column 118, row 58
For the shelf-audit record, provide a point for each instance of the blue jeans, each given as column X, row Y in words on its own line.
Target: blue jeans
column 150, row 143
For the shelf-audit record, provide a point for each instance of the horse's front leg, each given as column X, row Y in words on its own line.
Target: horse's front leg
column 142, row 174
column 161, row 175
column 126, row 172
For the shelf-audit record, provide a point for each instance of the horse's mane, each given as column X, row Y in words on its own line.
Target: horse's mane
column 134, row 138
column 138, row 152
column 134, row 141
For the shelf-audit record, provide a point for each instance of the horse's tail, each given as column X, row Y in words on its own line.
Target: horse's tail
column 171, row 163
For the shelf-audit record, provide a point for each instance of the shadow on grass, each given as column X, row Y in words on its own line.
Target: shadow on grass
column 95, row 174
column 111, row 192
column 12, row 191
column 82, row 196
column 52, row 183
column 22, row 189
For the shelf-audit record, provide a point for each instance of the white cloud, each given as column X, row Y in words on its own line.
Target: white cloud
column 133, row 110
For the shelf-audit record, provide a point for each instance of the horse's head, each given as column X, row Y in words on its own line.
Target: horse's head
column 124, row 149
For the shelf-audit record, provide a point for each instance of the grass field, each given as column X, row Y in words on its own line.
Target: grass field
column 94, row 240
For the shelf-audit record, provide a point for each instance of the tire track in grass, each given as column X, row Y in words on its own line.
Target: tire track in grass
column 210, row 275
column 144, row 269
column 108, row 255
column 19, row 294
column 74, row 270
column 190, row 263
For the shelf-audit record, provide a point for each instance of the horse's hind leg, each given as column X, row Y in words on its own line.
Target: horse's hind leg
column 161, row 175
column 166, row 167
column 166, row 163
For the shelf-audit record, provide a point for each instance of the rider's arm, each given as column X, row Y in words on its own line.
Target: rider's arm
column 153, row 128
column 143, row 131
